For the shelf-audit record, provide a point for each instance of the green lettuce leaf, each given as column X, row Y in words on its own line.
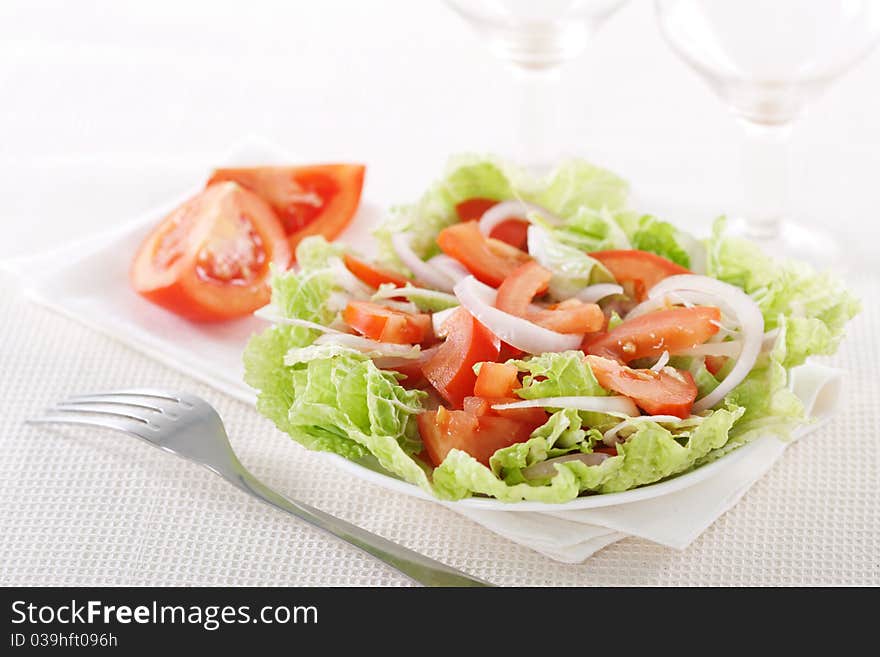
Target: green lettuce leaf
column 647, row 233
column 571, row 267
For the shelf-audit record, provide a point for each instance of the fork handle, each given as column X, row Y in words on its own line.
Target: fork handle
column 412, row 564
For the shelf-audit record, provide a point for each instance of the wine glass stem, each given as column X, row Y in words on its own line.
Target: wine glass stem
column 538, row 116
column 765, row 175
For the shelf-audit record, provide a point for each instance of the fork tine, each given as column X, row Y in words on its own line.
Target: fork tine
column 137, row 392
column 87, row 400
column 67, row 408
column 119, row 424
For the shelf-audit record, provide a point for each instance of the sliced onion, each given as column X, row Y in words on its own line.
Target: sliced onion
column 730, row 349
column 547, row 468
column 593, row 293
column 479, row 299
column 391, row 292
column 349, row 282
column 501, row 212
column 269, row 314
column 371, row 347
column 403, row 306
column 610, row 436
column 423, row 272
column 747, row 314
column 392, row 362
column 613, row 405
column 449, row 266
column 769, row 340
column 439, row 318
column 661, row 362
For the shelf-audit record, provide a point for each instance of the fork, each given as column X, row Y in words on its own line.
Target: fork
column 187, row 425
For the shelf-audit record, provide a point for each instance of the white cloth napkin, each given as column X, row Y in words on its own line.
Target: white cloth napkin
column 88, row 282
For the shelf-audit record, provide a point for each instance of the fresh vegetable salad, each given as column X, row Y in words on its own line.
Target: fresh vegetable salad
column 534, row 338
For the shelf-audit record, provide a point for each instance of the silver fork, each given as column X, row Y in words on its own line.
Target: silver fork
column 188, row 426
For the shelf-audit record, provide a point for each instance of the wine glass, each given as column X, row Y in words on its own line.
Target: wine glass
column 767, row 60
column 535, row 37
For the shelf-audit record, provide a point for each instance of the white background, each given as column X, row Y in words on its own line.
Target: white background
column 108, row 107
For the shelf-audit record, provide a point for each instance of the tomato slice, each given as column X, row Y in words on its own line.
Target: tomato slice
column 451, row 369
column 386, row 324
column 209, row 259
column 522, row 285
column 667, row 392
column 715, row 363
column 577, row 317
column 496, row 380
column 310, row 200
column 512, row 231
column 479, row 436
column 640, row 270
column 371, row 274
column 534, row 417
column 490, row 260
column 650, row 335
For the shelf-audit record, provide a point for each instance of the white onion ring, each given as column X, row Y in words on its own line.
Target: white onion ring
column 423, row 272
column 747, row 314
column 610, row 436
column 438, row 319
column 593, row 293
column 371, row 347
column 479, row 299
column 548, row 468
column 267, row 313
column 730, row 349
column 613, row 405
column 449, row 266
column 661, row 362
column 501, row 212
column 349, row 282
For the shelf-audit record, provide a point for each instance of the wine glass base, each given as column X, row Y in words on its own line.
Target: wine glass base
column 795, row 241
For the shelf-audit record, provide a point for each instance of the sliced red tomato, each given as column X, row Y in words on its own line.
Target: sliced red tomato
column 496, row 380
column 479, row 436
column 371, row 274
column 715, row 363
column 534, row 417
column 209, row 259
column 490, row 260
column 451, row 369
column 577, row 317
column 386, row 324
column 310, row 200
column 611, row 451
column 522, row 285
column 651, row 334
column 512, row 231
column 638, row 270
column 667, row 392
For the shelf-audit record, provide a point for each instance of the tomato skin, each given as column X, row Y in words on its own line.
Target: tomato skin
column 651, row 334
column 579, row 317
column 642, row 270
column 522, row 285
column 450, row 369
column 309, row 200
column 667, row 392
column 512, row 231
column 496, row 380
column 371, row 274
column 715, row 363
column 489, row 260
column 534, row 417
column 480, row 436
column 386, row 324
column 181, row 265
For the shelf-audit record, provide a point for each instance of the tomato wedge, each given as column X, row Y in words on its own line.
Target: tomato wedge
column 667, row 392
column 451, row 369
column 496, row 380
column 638, row 270
column 209, row 259
column 488, row 259
column 534, row 417
column 386, row 324
column 572, row 316
column 513, row 231
column 309, row 200
column 371, row 274
column 650, row 335
column 522, row 285
column 443, row 431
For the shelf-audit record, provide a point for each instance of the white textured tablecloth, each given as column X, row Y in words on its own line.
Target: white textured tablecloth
column 99, row 96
